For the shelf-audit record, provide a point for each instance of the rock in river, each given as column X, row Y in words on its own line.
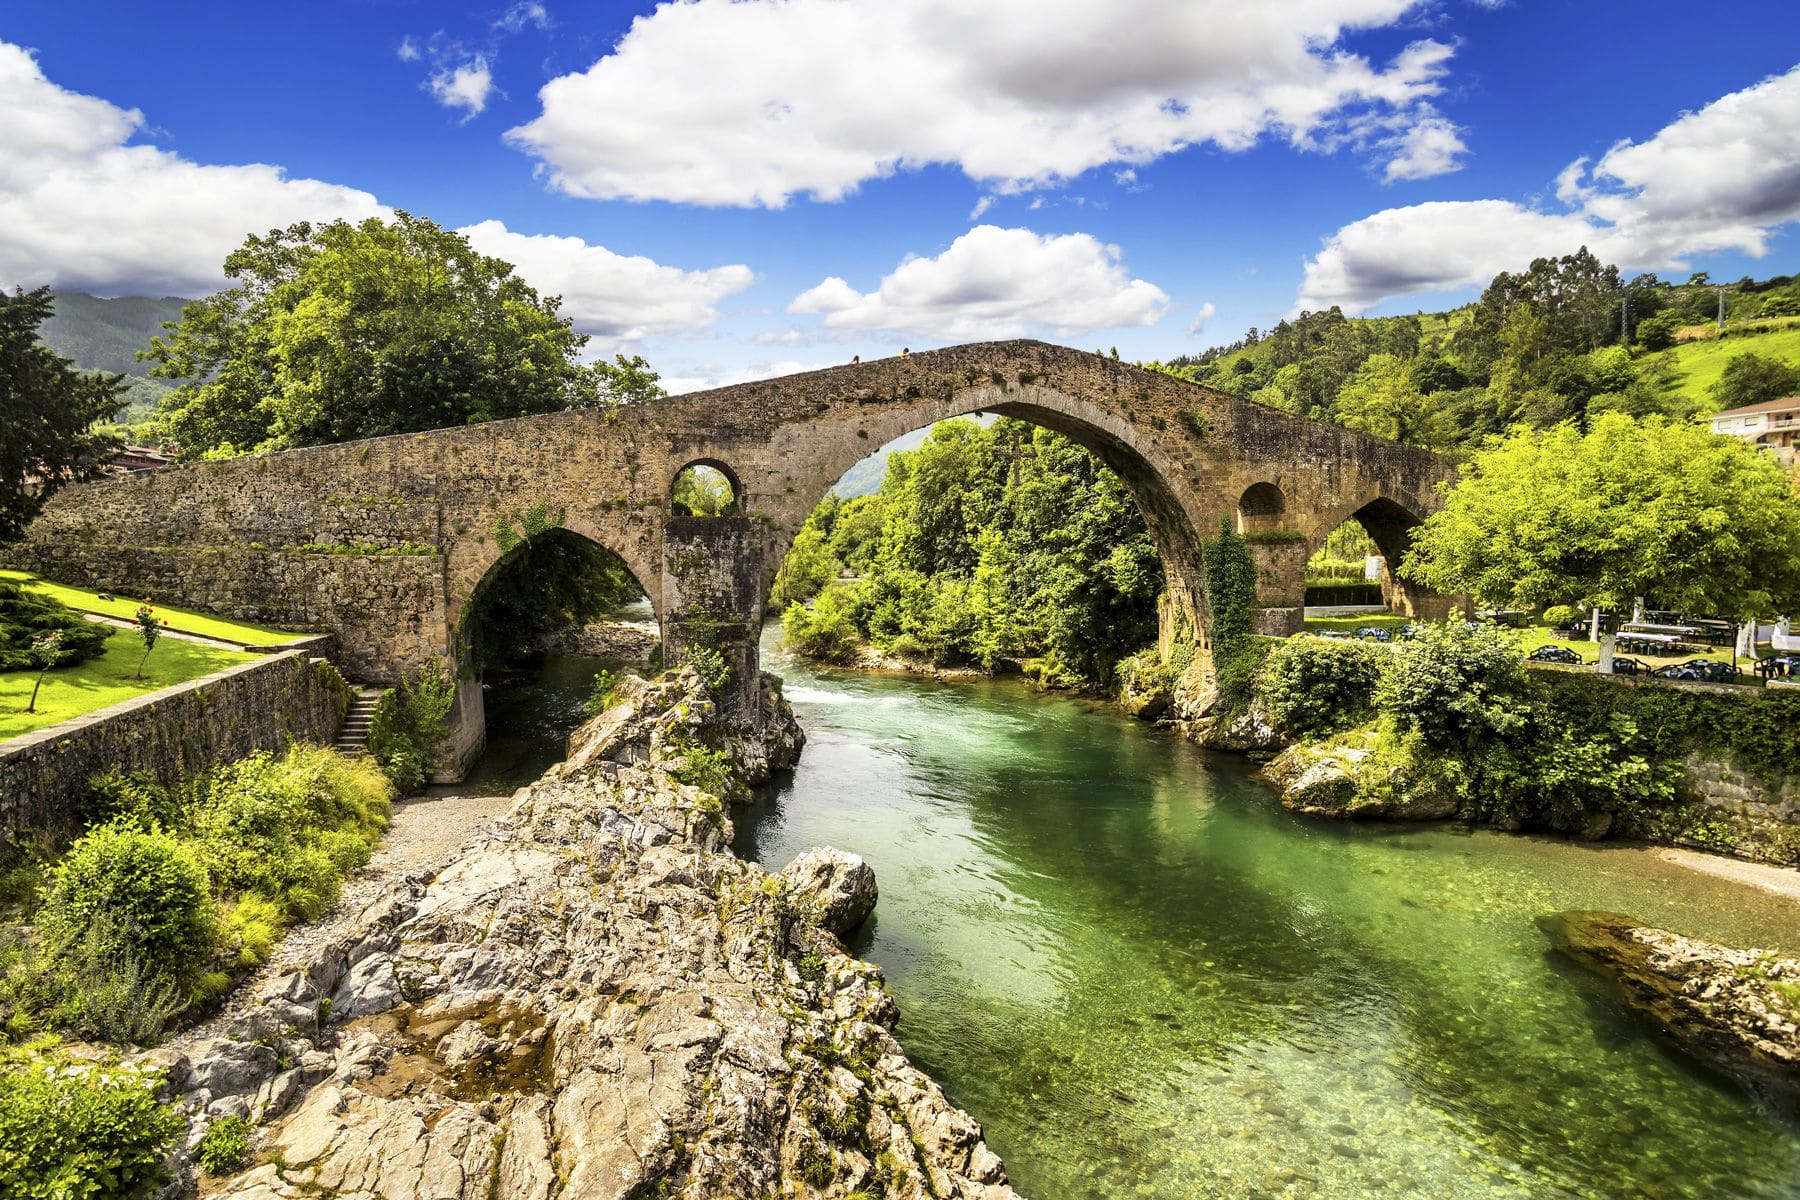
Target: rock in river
column 1734, row 1010
column 839, row 885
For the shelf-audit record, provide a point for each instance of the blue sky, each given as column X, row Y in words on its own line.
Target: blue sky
column 739, row 189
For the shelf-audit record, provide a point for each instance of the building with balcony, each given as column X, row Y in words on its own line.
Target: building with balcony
column 1773, row 423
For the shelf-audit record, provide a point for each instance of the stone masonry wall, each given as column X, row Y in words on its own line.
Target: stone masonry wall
column 1741, row 813
column 173, row 734
column 387, row 610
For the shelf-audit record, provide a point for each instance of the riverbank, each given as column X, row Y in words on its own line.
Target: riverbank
column 1138, row 972
column 594, row 997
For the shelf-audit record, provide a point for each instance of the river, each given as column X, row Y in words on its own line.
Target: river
column 1146, row 979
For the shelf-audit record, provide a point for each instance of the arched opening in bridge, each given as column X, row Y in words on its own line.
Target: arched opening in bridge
column 1355, row 564
column 706, row 488
column 1261, row 509
column 999, row 542
column 553, row 612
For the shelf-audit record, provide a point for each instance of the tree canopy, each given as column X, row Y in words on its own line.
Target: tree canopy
column 339, row 331
column 1665, row 510
column 47, row 414
column 984, row 544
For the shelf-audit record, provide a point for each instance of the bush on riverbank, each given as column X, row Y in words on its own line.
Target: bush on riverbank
column 408, row 724
column 171, row 888
column 1456, row 715
column 81, row 1131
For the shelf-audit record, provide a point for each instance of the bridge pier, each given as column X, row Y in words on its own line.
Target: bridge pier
column 712, row 587
column 1280, row 583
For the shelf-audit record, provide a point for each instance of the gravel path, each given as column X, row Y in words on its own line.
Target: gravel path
column 424, row 835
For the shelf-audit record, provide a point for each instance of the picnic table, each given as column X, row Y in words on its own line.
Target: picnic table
column 1649, row 643
column 1651, row 627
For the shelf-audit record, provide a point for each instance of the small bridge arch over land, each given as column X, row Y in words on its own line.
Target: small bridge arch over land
column 385, row 542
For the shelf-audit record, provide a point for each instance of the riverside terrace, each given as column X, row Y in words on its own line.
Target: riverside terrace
column 385, row 542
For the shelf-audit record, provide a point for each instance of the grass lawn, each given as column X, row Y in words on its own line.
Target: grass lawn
column 1698, row 365
column 181, row 619
column 98, row 682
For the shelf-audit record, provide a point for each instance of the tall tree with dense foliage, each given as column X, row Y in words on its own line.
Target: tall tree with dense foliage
column 1698, row 522
column 339, row 331
column 984, row 545
column 1753, row 379
column 48, row 410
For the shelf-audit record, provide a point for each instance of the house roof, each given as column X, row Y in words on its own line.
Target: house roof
column 1791, row 404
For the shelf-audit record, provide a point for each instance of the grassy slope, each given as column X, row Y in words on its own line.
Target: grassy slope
column 1698, row 365
column 98, row 682
column 179, row 619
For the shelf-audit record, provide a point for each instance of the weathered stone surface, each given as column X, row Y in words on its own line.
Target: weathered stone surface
column 173, row 734
column 1734, row 1010
column 838, row 885
column 597, row 1000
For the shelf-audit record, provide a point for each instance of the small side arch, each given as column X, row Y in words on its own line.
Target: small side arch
column 706, row 487
column 1261, row 509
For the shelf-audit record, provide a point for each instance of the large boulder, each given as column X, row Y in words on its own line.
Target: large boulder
column 1734, row 1010
column 838, row 885
column 1353, row 782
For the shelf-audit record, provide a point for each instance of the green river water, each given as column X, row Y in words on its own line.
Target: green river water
column 1146, row 979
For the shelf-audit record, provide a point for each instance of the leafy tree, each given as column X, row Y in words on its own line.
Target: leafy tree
column 48, row 410
column 702, row 491
column 1701, row 523
column 622, row 381
column 340, row 331
column 1383, row 399
column 149, row 628
column 47, row 649
column 1752, row 379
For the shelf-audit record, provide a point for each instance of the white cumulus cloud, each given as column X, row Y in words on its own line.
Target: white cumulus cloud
column 751, row 102
column 615, row 297
column 82, row 208
column 995, row 283
column 1722, row 178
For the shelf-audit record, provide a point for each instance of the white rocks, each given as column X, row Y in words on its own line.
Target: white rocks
column 598, row 992
column 840, row 886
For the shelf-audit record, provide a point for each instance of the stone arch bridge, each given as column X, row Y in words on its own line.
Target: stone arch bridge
column 384, row 542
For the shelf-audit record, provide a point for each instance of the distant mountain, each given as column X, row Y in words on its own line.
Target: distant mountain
column 105, row 335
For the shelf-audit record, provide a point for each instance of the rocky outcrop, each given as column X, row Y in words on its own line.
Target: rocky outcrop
column 1352, row 781
column 1734, row 1010
column 839, row 887
column 625, row 641
column 597, row 1000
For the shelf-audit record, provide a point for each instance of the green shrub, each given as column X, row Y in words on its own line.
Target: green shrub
column 81, row 1132
column 225, row 1146
column 1458, row 687
column 145, row 889
column 409, row 723
column 99, row 988
column 711, row 665
column 599, row 697
column 26, row 615
column 1561, row 616
column 1315, row 686
column 827, row 631
column 710, row 771
column 137, row 799
column 288, row 829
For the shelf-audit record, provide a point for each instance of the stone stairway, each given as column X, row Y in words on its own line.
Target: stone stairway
column 355, row 734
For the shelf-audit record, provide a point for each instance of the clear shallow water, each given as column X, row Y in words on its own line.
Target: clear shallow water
column 1147, row 980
